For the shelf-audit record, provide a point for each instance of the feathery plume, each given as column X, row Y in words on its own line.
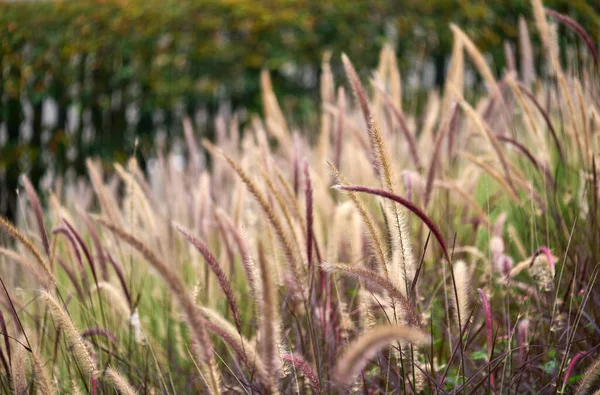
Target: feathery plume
column 194, row 152
column 268, row 321
column 405, row 203
column 39, row 214
column 587, row 383
column 544, row 30
column 242, row 347
column 527, row 66
column 28, row 244
column 374, row 279
column 282, row 235
column 119, row 381
column 252, row 276
column 509, row 57
column 369, row 344
column 222, row 278
column 578, row 29
column 43, row 381
column 455, row 76
column 300, row 363
column 108, row 206
column 81, row 352
column 17, row 371
column 478, row 60
column 462, row 297
column 410, row 139
column 381, row 160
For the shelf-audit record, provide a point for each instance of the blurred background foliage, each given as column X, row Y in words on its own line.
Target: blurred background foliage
column 89, row 77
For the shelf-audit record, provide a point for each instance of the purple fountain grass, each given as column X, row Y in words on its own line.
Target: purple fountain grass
column 62, row 230
column 374, row 279
column 546, row 117
column 244, row 251
column 546, row 251
column 410, row 138
column 97, row 244
column 578, row 29
column 222, row 278
column 357, row 355
column 73, row 277
column 84, row 248
column 540, row 167
column 227, row 244
column 574, row 361
column 409, row 205
column 297, row 362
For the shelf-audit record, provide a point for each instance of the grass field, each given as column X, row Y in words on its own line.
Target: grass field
column 455, row 250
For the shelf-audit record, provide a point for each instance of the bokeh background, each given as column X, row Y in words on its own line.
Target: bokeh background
column 85, row 78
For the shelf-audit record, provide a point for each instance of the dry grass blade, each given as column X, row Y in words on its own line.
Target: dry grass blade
column 546, row 117
column 495, row 174
column 369, row 344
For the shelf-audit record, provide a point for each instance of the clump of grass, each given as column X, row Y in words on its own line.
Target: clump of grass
column 486, row 192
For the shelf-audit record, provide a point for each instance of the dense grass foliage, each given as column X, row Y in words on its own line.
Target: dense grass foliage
column 451, row 251
column 120, row 70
